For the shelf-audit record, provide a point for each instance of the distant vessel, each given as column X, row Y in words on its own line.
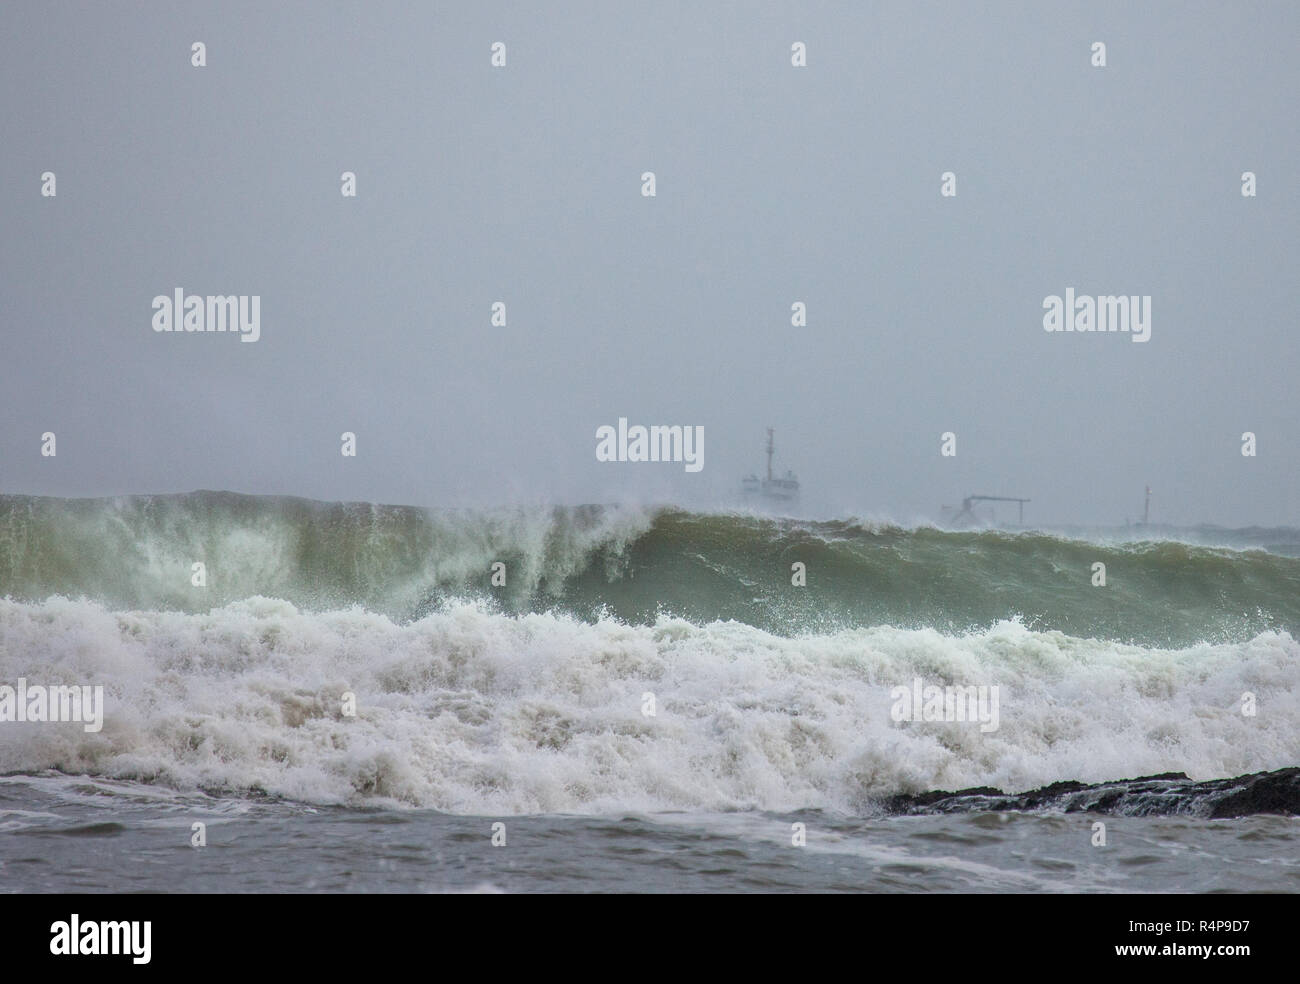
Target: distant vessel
column 966, row 516
column 770, row 489
column 1146, row 509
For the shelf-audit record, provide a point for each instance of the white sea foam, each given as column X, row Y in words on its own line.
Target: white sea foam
column 476, row 712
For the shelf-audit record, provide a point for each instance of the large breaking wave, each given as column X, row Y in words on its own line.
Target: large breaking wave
column 635, row 564
column 532, row 698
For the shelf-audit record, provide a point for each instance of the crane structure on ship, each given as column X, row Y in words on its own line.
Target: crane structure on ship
column 967, row 512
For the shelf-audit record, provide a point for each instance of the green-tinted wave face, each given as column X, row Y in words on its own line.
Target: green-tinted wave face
column 139, row 553
column 1156, row 592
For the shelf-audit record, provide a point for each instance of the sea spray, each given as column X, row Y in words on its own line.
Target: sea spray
column 474, row 711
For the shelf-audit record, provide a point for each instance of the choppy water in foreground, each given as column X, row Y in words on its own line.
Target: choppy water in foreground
column 64, row 835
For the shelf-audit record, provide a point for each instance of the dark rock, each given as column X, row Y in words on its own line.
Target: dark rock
column 1168, row 794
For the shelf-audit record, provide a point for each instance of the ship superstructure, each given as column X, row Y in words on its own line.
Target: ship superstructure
column 770, row 489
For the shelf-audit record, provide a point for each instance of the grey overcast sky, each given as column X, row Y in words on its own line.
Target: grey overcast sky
column 775, row 184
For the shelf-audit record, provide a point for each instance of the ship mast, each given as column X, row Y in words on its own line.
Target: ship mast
column 770, row 449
